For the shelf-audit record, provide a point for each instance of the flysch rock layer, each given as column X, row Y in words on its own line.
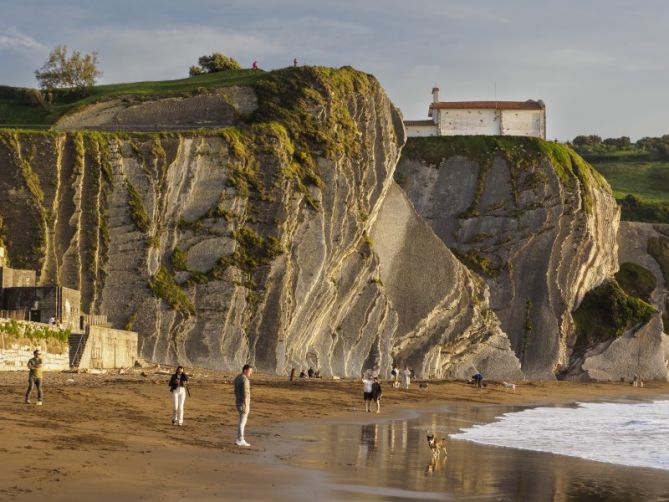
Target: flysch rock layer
column 217, row 108
column 233, row 247
column 539, row 239
column 445, row 327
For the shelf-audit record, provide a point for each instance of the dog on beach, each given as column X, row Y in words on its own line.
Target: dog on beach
column 637, row 382
column 436, row 445
column 511, row 386
column 422, row 386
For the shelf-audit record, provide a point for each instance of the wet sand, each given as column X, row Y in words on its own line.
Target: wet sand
column 110, row 436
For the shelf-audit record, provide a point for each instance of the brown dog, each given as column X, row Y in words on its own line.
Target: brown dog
column 436, row 445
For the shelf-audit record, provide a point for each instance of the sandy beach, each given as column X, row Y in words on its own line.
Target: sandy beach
column 110, row 435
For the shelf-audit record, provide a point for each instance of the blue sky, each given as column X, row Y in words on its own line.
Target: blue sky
column 600, row 65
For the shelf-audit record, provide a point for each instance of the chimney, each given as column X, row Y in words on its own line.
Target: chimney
column 435, row 94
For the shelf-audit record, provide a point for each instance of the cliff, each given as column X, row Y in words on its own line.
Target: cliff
column 532, row 218
column 279, row 239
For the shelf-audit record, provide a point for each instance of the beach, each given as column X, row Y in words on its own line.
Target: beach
column 110, row 435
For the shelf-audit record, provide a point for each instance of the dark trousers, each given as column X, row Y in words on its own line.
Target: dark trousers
column 37, row 382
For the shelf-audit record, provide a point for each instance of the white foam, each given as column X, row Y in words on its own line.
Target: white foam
column 634, row 434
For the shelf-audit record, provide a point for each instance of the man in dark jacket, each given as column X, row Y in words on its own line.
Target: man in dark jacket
column 242, row 384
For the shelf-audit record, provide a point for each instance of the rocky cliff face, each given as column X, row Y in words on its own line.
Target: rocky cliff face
column 280, row 240
column 536, row 222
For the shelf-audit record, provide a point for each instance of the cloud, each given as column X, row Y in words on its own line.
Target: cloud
column 13, row 39
column 137, row 54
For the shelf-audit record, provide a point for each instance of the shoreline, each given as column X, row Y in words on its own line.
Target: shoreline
column 110, row 434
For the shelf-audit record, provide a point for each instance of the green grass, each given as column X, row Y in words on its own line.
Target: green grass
column 648, row 181
column 19, row 109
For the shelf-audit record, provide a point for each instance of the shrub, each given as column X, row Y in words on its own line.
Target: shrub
column 213, row 63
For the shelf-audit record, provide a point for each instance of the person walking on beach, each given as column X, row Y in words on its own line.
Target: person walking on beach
column 367, row 383
column 395, row 373
column 178, row 390
column 406, row 377
column 478, row 380
column 35, row 376
column 242, row 384
column 376, row 394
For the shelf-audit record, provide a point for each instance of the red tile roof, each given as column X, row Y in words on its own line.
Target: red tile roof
column 419, row 123
column 495, row 105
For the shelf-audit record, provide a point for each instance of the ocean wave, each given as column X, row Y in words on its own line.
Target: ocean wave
column 632, row 434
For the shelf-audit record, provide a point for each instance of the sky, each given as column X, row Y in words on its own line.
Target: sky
column 601, row 66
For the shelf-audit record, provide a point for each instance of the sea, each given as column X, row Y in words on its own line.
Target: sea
column 630, row 434
column 596, row 451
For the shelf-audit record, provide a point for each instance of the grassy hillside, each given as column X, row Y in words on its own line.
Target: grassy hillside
column 21, row 107
column 646, row 181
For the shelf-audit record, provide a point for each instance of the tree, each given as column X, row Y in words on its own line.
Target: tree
column 76, row 72
column 213, row 63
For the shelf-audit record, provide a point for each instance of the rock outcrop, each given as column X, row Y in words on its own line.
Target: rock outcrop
column 280, row 240
column 532, row 218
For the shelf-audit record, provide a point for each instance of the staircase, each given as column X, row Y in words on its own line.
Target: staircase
column 77, row 344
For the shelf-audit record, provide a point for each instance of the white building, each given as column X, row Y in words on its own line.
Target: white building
column 488, row 118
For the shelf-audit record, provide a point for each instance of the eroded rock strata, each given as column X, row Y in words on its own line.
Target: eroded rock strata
column 534, row 220
column 280, row 239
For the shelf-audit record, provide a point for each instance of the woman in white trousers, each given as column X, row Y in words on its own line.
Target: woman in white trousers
column 178, row 390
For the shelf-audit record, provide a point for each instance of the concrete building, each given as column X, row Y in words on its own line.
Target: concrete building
column 487, row 118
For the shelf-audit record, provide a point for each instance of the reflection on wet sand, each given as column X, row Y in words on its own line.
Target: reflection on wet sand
column 392, row 460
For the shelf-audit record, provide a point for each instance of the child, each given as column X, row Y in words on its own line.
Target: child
column 376, row 394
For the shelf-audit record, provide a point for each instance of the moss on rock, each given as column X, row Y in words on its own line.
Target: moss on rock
column 605, row 313
column 636, row 280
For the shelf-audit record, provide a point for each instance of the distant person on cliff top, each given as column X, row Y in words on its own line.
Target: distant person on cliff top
column 254, row 66
column 376, row 394
column 35, row 377
column 367, row 384
column 406, row 377
column 242, row 384
column 295, row 62
column 178, row 390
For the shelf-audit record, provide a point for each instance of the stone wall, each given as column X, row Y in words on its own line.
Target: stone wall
column 109, row 348
column 14, row 356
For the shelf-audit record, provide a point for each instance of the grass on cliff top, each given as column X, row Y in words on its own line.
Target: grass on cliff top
column 19, row 107
column 605, row 313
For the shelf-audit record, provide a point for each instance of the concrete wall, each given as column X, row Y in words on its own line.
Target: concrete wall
column 490, row 122
column 469, row 122
column 109, row 348
column 14, row 278
column 523, row 123
column 421, row 131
